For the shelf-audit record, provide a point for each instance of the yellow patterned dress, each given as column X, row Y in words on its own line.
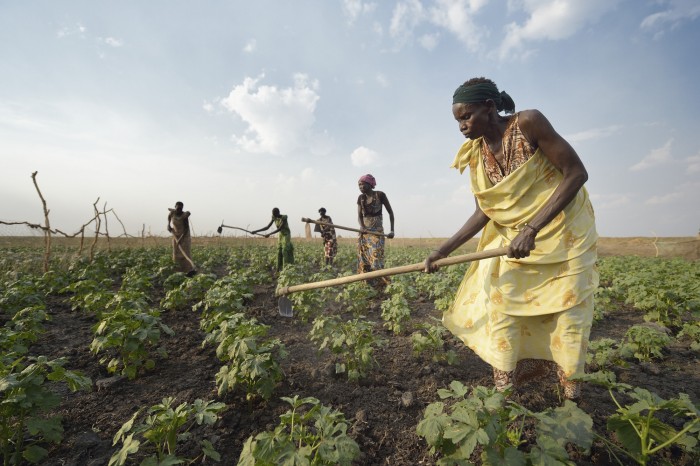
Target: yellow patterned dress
column 514, row 313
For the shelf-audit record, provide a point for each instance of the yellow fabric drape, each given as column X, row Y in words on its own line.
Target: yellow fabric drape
column 559, row 275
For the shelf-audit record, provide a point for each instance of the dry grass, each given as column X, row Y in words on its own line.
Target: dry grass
column 685, row 247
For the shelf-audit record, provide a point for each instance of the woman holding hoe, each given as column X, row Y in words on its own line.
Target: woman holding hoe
column 530, row 314
column 179, row 226
column 285, row 249
column 370, row 247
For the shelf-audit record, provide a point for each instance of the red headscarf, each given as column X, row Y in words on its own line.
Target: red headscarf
column 369, row 179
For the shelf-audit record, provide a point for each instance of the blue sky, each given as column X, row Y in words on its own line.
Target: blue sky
column 235, row 107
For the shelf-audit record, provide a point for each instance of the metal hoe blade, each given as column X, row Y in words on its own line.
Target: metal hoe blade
column 285, row 307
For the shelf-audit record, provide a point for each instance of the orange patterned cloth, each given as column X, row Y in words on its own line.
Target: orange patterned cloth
column 516, row 150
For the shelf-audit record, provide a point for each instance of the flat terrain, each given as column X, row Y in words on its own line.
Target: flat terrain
column 384, row 428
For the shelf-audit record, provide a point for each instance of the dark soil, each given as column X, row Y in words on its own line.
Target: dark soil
column 384, row 429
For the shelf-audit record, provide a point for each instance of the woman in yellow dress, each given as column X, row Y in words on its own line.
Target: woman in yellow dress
column 529, row 314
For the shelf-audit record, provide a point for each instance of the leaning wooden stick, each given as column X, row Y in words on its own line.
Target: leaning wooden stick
column 417, row 267
column 340, row 227
column 177, row 241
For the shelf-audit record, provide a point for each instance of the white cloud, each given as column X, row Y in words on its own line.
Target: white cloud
column 429, row 41
column 454, row 16
column 208, row 107
column 693, row 164
column 309, row 174
column 113, row 42
column 363, row 156
column 593, row 134
column 354, row 8
column 664, row 199
column 676, row 12
column 382, row 80
column 249, row 46
column 279, row 120
column 550, row 20
column 407, row 15
column 67, row 31
column 610, row 201
column 655, row 157
column 457, row 17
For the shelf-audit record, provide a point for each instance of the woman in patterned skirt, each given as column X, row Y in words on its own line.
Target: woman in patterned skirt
column 330, row 243
column 370, row 248
column 530, row 314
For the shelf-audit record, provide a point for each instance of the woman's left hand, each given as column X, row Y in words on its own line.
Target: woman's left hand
column 390, row 234
column 522, row 244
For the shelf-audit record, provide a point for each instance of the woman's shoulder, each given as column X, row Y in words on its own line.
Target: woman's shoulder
column 529, row 117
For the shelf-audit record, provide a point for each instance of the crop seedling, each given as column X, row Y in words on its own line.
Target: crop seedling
column 430, row 340
column 352, row 341
column 644, row 343
column 308, row 434
column 253, row 363
column 25, row 398
column 691, row 331
column 164, row 426
column 132, row 333
column 355, row 297
column 487, row 420
column 605, row 353
column 638, row 428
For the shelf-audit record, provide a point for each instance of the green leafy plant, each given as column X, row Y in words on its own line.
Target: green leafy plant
column 309, row 433
column 352, row 341
column 91, row 296
column 226, row 295
column 190, row 291
column 605, row 353
column 252, row 365
column 396, row 312
column 638, row 427
column 162, row 429
column 644, row 343
column 487, row 420
column 307, row 304
column 25, row 398
column 431, row 340
column 24, row 328
column 691, row 331
column 134, row 333
column 355, row 297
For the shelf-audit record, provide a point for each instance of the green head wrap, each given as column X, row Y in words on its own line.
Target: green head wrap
column 481, row 92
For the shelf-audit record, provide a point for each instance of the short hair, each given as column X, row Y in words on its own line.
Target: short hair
column 275, row 210
column 179, row 203
column 322, row 210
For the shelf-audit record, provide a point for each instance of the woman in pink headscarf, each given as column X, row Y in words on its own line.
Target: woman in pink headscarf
column 370, row 248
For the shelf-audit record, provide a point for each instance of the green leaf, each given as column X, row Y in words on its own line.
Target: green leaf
column 626, row 435
column 126, row 427
column 209, row 451
column 246, row 457
column 50, row 429
column 34, row 454
column 129, row 446
column 170, row 460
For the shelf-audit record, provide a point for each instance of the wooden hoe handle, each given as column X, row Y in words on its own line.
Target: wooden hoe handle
column 417, row 267
column 340, row 227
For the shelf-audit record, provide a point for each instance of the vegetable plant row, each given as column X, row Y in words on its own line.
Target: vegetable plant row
column 130, row 295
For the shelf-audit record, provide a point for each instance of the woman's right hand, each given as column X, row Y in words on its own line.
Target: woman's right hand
column 430, row 266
